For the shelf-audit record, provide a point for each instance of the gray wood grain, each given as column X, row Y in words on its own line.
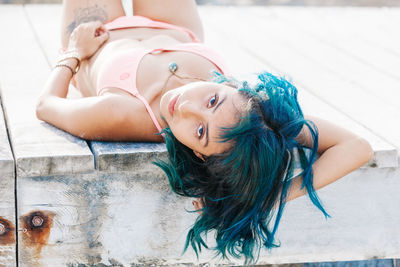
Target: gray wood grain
column 39, row 149
column 136, row 158
column 343, row 46
column 7, row 198
column 6, row 157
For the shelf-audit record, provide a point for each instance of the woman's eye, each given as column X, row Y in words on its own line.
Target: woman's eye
column 212, row 101
column 200, row 131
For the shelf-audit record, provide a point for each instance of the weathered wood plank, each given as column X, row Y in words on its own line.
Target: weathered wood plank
column 6, row 157
column 353, row 31
column 57, row 219
column 369, row 263
column 7, row 199
column 39, row 149
column 127, row 219
column 95, row 219
column 132, row 157
column 373, row 68
column 291, row 58
column 362, row 225
column 245, row 61
column 48, row 34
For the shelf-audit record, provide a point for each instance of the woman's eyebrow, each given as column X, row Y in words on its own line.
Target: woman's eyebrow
column 207, row 139
column 217, row 106
column 219, row 103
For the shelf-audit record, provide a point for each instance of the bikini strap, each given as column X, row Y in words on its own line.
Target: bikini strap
column 150, row 111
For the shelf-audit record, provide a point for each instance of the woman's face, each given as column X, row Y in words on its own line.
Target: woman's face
column 196, row 111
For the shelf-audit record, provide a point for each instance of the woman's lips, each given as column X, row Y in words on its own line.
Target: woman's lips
column 172, row 104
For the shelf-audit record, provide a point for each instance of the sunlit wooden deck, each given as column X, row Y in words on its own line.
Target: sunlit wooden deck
column 346, row 64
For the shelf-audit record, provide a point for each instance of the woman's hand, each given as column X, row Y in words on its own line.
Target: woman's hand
column 341, row 152
column 87, row 38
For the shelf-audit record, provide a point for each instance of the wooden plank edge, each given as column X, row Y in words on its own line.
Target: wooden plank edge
column 6, row 156
column 55, row 165
column 126, row 156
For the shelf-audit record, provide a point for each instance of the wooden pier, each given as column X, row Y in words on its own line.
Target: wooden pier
column 68, row 202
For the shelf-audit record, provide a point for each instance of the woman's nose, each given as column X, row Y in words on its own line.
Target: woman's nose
column 187, row 109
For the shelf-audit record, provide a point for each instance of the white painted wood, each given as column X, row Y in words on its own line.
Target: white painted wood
column 357, row 32
column 126, row 219
column 40, row 149
column 364, row 223
column 68, row 207
column 7, row 198
column 370, row 66
column 48, row 34
column 245, row 62
column 295, row 59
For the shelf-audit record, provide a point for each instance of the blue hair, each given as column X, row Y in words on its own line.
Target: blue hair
column 244, row 189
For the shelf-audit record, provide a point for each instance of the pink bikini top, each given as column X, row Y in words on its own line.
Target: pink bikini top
column 120, row 71
column 126, row 22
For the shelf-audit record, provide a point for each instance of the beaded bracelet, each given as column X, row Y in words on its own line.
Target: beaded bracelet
column 71, row 54
column 65, row 65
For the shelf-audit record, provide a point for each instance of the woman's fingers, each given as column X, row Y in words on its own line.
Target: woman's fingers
column 87, row 38
column 102, row 35
column 99, row 31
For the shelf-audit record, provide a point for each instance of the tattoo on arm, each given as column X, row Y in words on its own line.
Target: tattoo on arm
column 87, row 14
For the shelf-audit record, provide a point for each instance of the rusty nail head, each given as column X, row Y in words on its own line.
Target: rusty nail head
column 2, row 229
column 37, row 220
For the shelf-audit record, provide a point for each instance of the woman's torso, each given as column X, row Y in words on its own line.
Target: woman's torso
column 152, row 72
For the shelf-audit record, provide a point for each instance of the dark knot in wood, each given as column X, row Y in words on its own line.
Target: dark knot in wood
column 38, row 224
column 7, row 233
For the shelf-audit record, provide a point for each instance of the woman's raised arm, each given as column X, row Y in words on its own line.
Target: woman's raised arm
column 341, row 152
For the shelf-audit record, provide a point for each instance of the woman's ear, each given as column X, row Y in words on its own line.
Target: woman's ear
column 198, row 204
column 200, row 156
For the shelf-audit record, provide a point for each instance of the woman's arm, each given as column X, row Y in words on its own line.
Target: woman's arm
column 93, row 118
column 85, row 40
column 99, row 117
column 341, row 152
